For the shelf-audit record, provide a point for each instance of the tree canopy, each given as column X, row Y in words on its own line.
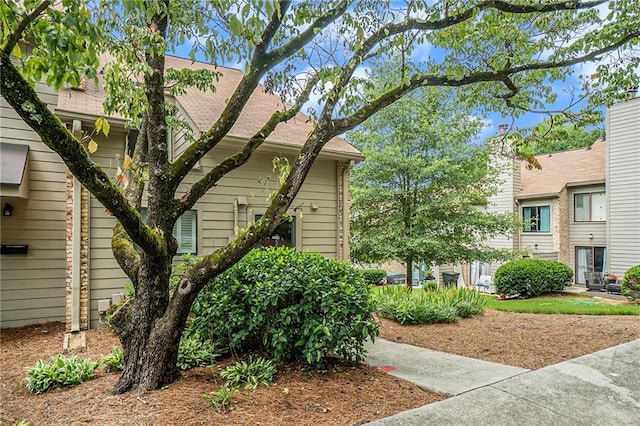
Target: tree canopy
column 420, row 196
column 501, row 55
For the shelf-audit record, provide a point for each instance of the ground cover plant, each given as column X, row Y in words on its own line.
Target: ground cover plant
column 532, row 277
column 59, row 372
column 289, row 305
column 442, row 305
column 563, row 304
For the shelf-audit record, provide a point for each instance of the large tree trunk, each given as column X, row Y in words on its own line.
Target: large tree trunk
column 149, row 332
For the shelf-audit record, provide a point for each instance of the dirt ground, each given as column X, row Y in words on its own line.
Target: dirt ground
column 344, row 395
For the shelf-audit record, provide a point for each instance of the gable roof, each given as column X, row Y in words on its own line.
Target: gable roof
column 566, row 168
column 204, row 108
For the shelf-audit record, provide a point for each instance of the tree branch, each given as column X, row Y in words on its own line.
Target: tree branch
column 35, row 113
column 241, row 157
column 17, row 34
column 260, row 64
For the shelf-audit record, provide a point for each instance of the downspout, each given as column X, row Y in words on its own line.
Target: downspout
column 235, row 217
column 75, row 248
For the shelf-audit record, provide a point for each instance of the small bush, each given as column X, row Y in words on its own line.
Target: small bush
column 113, row 361
column 194, row 352
column 221, row 399
column 430, row 285
column 631, row 284
column 59, row 372
column 532, row 277
column 249, row 374
column 287, row 305
column 373, row 276
column 438, row 306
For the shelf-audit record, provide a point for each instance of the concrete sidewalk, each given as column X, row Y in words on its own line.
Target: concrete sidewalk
column 439, row 372
column 602, row 388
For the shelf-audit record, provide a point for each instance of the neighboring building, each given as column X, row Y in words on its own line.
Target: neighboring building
column 56, row 262
column 581, row 208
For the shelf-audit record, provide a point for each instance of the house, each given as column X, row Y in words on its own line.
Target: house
column 581, row 208
column 56, row 262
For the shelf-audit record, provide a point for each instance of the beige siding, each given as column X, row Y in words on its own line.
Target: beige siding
column 105, row 275
column 32, row 286
column 316, row 229
column 584, row 234
column 623, row 186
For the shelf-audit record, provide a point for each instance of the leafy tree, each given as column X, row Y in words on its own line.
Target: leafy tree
column 558, row 134
column 490, row 49
column 417, row 196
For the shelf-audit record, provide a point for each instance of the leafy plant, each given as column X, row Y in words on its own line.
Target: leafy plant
column 430, row 285
column 631, row 284
column 194, row 352
column 439, row 306
column 373, row 276
column 59, row 372
column 288, row 305
column 220, row 399
column 113, row 361
column 532, row 277
column 249, row 373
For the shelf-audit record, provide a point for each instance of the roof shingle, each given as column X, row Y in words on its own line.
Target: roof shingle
column 560, row 169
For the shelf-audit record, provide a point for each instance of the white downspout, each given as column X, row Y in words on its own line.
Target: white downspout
column 75, row 250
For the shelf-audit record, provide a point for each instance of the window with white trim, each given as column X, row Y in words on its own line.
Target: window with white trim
column 590, row 207
column 537, row 219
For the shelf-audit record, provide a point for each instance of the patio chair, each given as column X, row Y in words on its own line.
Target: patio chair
column 484, row 284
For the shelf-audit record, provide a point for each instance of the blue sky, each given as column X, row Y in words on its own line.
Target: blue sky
column 492, row 120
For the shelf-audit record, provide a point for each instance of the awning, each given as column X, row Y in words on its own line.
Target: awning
column 14, row 178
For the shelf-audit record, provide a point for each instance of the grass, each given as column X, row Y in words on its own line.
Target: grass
column 562, row 304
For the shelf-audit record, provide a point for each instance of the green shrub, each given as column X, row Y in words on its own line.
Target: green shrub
column 221, row 399
column 288, row 305
column 532, row 277
column 373, row 276
column 430, row 285
column 631, row 284
column 439, row 306
column 113, row 361
column 59, row 372
column 194, row 352
column 249, row 373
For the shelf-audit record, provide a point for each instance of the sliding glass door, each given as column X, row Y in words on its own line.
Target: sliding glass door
column 589, row 259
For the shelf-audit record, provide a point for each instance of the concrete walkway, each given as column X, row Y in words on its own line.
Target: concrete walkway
column 602, row 388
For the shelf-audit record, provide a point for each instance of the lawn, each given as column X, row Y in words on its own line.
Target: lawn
column 563, row 304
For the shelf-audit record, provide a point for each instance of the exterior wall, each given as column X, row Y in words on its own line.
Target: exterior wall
column 315, row 208
column 623, row 186
column 105, row 276
column 583, row 234
column 543, row 244
column 32, row 286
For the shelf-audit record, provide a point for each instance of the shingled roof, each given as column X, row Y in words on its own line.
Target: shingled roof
column 559, row 169
column 204, row 108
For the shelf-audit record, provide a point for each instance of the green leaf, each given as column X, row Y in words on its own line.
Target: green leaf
column 235, row 26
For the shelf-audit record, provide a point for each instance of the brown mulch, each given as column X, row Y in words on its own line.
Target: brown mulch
column 341, row 396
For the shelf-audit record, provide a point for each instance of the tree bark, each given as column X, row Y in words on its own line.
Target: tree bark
column 409, row 271
column 150, row 333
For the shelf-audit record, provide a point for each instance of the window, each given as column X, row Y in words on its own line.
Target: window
column 588, row 260
column 537, row 219
column 589, row 207
column 283, row 235
column 185, row 231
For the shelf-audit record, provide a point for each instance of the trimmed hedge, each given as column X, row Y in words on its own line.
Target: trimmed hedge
column 532, row 277
column 373, row 276
column 631, row 284
column 287, row 305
